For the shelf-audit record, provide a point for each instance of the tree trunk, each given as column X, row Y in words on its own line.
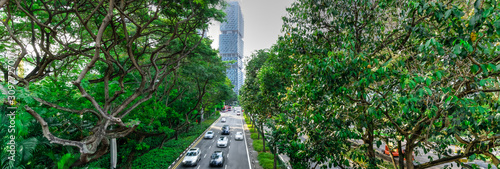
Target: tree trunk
column 401, row 160
column 370, row 153
column 263, row 137
column 408, row 155
column 275, row 156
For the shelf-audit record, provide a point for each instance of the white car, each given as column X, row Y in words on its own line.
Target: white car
column 238, row 136
column 209, row 134
column 193, row 156
column 222, row 142
column 223, row 120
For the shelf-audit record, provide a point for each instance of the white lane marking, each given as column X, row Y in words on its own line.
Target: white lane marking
column 213, row 141
column 205, row 156
column 199, row 166
column 229, row 147
column 225, row 167
column 246, row 147
column 210, row 147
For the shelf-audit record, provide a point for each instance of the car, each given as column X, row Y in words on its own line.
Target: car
column 238, row 136
column 225, row 130
column 222, row 142
column 193, row 156
column 217, row 159
column 223, row 120
column 395, row 151
column 238, row 113
column 209, row 134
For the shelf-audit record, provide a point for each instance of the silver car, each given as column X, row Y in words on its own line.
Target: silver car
column 222, row 142
column 238, row 136
column 223, row 120
column 209, row 134
column 193, row 156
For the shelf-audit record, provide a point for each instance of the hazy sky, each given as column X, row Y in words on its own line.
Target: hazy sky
column 262, row 24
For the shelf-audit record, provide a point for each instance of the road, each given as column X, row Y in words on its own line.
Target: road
column 236, row 153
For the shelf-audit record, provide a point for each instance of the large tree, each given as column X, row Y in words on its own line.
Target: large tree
column 423, row 73
column 109, row 56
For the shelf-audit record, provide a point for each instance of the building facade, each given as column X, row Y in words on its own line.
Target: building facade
column 231, row 44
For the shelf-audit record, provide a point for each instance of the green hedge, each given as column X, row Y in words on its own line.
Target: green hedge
column 162, row 158
column 257, row 146
column 253, row 136
column 266, row 160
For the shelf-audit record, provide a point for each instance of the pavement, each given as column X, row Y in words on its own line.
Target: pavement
column 236, row 154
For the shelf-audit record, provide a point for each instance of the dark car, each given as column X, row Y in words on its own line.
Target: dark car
column 217, row 159
column 225, row 129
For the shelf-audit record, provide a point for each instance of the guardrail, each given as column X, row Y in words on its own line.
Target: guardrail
column 191, row 145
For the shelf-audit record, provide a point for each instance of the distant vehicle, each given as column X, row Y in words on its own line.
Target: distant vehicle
column 209, row 134
column 193, row 156
column 225, row 129
column 222, row 142
column 238, row 136
column 395, row 151
column 238, row 113
column 223, row 120
column 217, row 159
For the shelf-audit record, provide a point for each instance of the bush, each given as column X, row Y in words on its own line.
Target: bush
column 266, row 160
column 257, row 145
column 254, row 136
column 162, row 158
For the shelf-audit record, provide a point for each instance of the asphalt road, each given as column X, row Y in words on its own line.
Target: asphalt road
column 235, row 154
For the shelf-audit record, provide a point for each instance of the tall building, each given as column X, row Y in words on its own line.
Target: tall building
column 231, row 44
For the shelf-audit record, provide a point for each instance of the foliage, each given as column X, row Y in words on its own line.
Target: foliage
column 424, row 73
column 138, row 71
column 266, row 160
column 163, row 157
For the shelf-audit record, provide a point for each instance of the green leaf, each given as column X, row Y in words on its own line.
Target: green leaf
column 439, row 75
column 447, row 13
column 429, row 92
column 482, row 82
column 428, row 81
column 457, row 49
column 472, row 157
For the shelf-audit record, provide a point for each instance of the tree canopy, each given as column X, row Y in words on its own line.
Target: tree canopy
column 88, row 71
column 422, row 75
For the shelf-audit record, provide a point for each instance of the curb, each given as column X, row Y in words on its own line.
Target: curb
column 191, row 145
column 287, row 164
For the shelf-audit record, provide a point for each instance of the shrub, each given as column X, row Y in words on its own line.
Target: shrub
column 162, row 158
column 266, row 160
column 253, row 136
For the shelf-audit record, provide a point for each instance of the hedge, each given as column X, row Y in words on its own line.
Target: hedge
column 162, row 158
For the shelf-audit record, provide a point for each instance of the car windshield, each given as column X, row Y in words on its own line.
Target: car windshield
column 239, row 133
column 209, row 132
column 191, row 154
column 222, row 138
column 214, row 156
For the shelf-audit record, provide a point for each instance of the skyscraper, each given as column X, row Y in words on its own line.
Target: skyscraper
column 231, row 44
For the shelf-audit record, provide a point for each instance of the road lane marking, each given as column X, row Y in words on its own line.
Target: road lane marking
column 199, row 166
column 225, row 167
column 205, row 156
column 244, row 138
column 210, row 147
column 229, row 147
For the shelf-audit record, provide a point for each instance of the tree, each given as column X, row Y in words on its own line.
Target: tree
column 423, row 73
column 110, row 57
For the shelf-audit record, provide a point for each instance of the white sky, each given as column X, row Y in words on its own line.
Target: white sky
column 262, row 19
